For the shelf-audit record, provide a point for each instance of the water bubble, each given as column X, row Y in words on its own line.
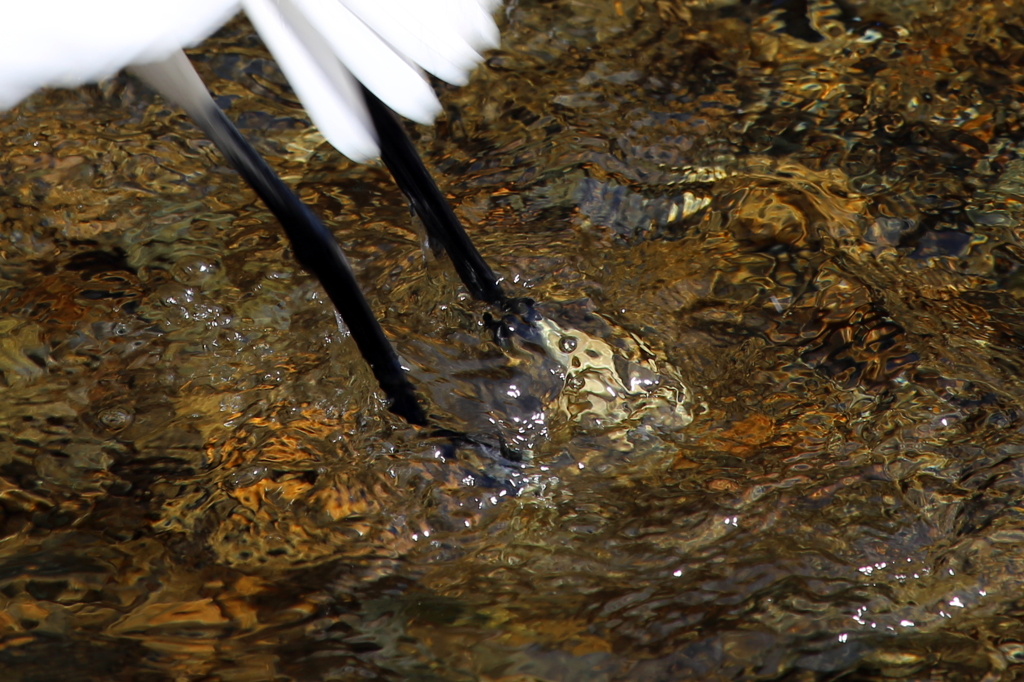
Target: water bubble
column 194, row 270
column 247, row 476
column 567, row 344
column 115, row 418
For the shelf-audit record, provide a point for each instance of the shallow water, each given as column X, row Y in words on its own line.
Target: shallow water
column 787, row 237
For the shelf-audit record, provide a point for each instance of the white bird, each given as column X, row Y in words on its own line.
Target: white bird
column 335, row 53
column 322, row 46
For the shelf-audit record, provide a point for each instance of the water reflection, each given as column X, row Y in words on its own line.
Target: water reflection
column 796, row 221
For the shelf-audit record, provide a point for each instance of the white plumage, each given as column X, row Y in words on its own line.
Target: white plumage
column 322, row 46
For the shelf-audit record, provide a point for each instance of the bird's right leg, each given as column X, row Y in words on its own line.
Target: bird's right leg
column 518, row 316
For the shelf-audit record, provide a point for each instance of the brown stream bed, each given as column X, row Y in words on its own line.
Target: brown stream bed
column 778, row 433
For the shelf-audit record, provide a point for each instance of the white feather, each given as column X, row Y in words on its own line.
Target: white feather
column 423, row 35
column 329, row 93
column 372, row 61
column 475, row 24
column 66, row 43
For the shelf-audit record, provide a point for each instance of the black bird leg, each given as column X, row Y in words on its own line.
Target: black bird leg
column 443, row 227
column 314, row 245
column 400, row 156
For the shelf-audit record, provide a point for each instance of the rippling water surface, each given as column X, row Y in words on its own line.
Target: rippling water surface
column 774, row 431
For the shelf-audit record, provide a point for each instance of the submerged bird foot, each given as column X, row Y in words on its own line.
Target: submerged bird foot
column 519, row 320
column 487, row 458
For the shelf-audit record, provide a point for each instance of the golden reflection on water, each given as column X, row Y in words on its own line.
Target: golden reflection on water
column 797, row 223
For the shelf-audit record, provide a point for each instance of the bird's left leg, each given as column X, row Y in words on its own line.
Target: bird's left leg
column 314, row 245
